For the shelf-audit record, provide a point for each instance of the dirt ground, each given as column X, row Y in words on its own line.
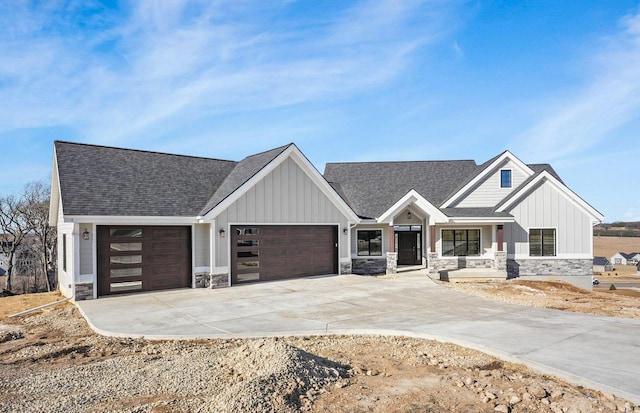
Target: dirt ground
column 51, row 361
column 608, row 246
column 559, row 296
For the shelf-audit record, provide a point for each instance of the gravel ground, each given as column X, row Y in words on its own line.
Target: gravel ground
column 51, row 362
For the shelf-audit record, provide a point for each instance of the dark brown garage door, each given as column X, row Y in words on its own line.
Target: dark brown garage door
column 142, row 258
column 263, row 253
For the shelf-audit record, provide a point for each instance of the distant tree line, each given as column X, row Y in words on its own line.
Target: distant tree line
column 618, row 229
column 27, row 242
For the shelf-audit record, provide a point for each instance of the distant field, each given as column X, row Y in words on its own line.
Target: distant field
column 607, row 246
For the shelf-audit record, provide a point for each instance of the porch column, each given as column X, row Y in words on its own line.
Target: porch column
column 500, row 237
column 432, row 233
column 392, row 239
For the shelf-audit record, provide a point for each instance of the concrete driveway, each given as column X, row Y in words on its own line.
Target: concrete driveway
column 598, row 352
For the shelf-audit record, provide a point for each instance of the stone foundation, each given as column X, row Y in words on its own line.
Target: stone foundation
column 369, row 266
column 345, row 268
column 436, row 265
column 500, row 261
column 219, row 280
column 203, row 280
column 556, row 267
column 392, row 262
column 84, row 291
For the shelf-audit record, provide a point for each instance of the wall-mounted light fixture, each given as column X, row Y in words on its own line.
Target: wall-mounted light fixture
column 221, row 232
column 345, row 230
column 85, row 235
column 408, row 214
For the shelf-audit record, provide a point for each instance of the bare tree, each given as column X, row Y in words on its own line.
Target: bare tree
column 15, row 229
column 36, row 197
column 28, row 241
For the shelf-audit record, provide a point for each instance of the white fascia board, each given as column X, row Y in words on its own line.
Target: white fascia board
column 54, row 201
column 128, row 220
column 563, row 189
column 483, row 220
column 413, row 197
column 482, row 175
column 295, row 154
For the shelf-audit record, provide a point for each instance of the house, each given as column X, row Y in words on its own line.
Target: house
column 623, row 258
column 601, row 264
column 131, row 220
column 634, row 258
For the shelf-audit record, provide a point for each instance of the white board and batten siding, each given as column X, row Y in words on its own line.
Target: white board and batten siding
column 546, row 207
column 201, row 245
column 285, row 196
column 488, row 192
column 86, row 250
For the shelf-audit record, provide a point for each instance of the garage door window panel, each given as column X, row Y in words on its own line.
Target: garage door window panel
column 125, row 246
column 125, row 272
column 126, row 232
column 121, row 287
column 126, row 259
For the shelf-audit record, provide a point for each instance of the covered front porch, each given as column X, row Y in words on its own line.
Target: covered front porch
column 414, row 234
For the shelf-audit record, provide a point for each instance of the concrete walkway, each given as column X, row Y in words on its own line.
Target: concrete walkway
column 597, row 352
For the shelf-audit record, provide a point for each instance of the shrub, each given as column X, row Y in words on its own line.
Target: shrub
column 612, row 287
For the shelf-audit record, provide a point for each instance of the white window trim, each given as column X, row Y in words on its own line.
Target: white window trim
column 555, row 242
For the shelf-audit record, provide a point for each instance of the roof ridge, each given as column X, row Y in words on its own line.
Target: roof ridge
column 388, row 162
column 141, row 151
column 283, row 147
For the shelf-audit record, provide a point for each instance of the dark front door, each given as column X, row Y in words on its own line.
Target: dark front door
column 408, row 248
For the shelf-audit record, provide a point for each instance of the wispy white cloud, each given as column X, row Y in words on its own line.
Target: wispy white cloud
column 609, row 99
column 119, row 74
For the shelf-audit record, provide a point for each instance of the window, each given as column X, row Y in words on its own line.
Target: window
column 64, row 252
column 460, row 242
column 126, row 232
column 505, row 178
column 370, row 242
column 542, row 242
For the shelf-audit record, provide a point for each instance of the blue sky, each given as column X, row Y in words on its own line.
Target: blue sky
column 552, row 81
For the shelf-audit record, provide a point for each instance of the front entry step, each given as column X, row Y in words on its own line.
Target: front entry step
column 473, row 275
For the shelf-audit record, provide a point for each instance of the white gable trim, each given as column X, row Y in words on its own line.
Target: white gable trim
column 54, row 202
column 296, row 155
column 563, row 189
column 413, row 197
column 484, row 174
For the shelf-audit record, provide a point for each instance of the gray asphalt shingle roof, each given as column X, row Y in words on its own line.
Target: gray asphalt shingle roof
column 600, row 261
column 370, row 188
column 243, row 171
column 100, row 180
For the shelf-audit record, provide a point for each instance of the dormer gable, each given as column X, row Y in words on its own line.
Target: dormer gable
column 492, row 182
